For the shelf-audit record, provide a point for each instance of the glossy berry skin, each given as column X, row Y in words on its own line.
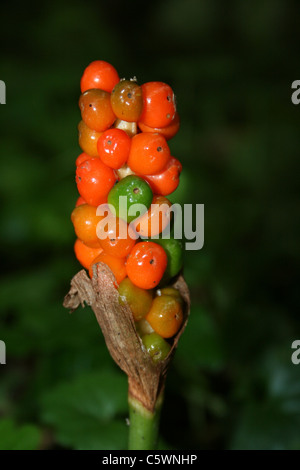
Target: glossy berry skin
column 165, row 316
column 165, row 182
column 170, row 291
column 94, row 181
column 96, row 110
column 143, row 327
column 99, row 74
column 113, row 148
column 127, row 100
column 116, row 237
column 85, row 254
column 159, row 105
column 146, row 264
column 116, row 265
column 139, row 300
column 168, row 132
column 88, row 139
column 156, row 346
column 149, row 153
column 174, row 250
column 135, row 190
column 82, row 158
column 85, row 222
column 80, row 201
column 155, row 220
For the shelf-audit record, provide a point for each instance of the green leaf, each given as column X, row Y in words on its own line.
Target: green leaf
column 89, row 413
column 14, row 437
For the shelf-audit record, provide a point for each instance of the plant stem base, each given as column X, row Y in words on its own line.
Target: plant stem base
column 144, row 424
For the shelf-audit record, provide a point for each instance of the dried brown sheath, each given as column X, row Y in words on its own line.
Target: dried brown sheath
column 146, row 379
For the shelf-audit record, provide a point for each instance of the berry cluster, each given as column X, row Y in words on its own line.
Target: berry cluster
column 123, row 136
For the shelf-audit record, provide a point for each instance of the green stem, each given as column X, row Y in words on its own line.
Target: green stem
column 144, row 424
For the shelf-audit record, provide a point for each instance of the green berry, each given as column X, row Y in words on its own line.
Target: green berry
column 139, row 300
column 174, row 250
column 156, row 346
column 136, row 191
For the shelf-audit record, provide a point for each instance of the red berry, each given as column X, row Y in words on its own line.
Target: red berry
column 149, row 153
column 94, row 181
column 168, row 132
column 85, row 254
column 146, row 264
column 82, row 158
column 99, row 74
column 159, row 106
column 80, row 201
column 113, row 148
column 165, row 182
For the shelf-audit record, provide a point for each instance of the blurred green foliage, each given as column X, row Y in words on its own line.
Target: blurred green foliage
column 232, row 384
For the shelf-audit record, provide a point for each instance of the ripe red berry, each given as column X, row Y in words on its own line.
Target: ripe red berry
column 99, row 74
column 82, row 158
column 94, row 181
column 116, row 265
column 85, row 254
column 115, row 237
column 149, row 153
column 165, row 182
column 80, row 201
column 146, row 264
column 159, row 105
column 113, row 148
column 168, row 132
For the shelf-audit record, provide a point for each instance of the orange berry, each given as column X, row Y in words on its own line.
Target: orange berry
column 155, row 220
column 116, row 265
column 146, row 264
column 165, row 182
column 94, row 181
column 113, row 148
column 159, row 105
column 115, row 237
column 99, row 74
column 127, row 100
column 85, row 254
column 80, row 201
column 85, row 222
column 168, row 132
column 82, row 158
column 139, row 300
column 149, row 153
column 165, row 315
column 88, row 139
column 96, row 110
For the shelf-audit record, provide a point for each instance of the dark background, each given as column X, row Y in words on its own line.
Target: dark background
column 232, row 384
